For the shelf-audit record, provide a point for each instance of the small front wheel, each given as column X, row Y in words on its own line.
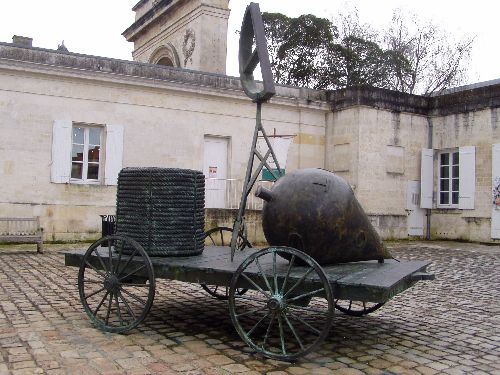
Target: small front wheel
column 116, row 283
column 271, row 317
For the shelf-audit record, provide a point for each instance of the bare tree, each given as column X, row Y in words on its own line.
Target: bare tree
column 429, row 59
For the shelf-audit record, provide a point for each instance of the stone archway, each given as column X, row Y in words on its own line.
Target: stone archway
column 165, row 55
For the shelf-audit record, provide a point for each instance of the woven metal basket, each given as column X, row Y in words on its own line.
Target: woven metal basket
column 163, row 209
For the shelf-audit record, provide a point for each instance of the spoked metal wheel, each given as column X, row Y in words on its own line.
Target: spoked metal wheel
column 116, row 283
column 357, row 308
column 270, row 317
column 221, row 236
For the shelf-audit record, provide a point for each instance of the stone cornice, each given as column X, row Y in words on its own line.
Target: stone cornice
column 467, row 100
column 150, row 16
column 132, row 72
column 458, row 101
column 103, row 69
column 139, row 4
column 378, row 98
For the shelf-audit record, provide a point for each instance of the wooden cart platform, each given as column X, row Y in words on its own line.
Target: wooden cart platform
column 368, row 281
column 280, row 300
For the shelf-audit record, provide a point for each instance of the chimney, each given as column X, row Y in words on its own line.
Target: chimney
column 22, row 41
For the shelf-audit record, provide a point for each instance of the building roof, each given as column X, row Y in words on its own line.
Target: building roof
column 81, row 63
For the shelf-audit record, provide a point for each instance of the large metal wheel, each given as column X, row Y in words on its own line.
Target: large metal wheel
column 357, row 308
column 268, row 317
column 116, row 289
column 221, row 236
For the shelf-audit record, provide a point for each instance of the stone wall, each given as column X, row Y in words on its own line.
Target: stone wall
column 480, row 128
column 374, row 139
column 165, row 113
column 371, row 137
column 374, row 142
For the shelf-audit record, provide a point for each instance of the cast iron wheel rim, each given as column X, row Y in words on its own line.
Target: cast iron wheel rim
column 357, row 308
column 116, row 290
column 289, row 330
column 217, row 233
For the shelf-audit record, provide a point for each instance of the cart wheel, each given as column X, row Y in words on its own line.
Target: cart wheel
column 222, row 236
column 116, row 289
column 268, row 318
column 357, row 308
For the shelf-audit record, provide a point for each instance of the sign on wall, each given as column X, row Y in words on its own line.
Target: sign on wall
column 280, row 146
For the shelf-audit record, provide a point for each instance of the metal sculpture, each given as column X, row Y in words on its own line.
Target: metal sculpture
column 276, row 295
column 116, row 290
column 316, row 211
column 271, row 319
column 252, row 32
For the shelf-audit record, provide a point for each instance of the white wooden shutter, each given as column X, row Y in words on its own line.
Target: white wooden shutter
column 426, row 178
column 60, row 169
column 467, row 173
column 114, row 154
column 495, row 176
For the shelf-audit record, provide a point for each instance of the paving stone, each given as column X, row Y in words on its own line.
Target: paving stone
column 219, row 359
column 235, row 368
column 297, row 370
column 446, row 325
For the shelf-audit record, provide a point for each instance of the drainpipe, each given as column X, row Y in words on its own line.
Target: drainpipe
column 429, row 145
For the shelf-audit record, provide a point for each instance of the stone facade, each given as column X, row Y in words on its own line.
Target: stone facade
column 165, row 114
column 371, row 137
column 374, row 140
column 190, row 34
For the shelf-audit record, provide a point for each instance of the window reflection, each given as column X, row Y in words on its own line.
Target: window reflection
column 85, row 153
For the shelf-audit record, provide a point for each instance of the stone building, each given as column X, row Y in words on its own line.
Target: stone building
column 420, row 166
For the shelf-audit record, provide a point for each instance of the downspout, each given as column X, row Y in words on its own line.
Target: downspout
column 429, row 146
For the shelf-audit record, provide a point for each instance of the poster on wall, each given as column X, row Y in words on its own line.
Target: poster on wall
column 280, row 146
column 495, row 192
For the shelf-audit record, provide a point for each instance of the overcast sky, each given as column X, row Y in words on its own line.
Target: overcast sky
column 95, row 26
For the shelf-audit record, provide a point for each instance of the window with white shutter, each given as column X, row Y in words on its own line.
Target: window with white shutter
column 60, row 168
column 456, row 178
column 426, row 178
column 77, row 153
column 114, row 153
column 467, row 182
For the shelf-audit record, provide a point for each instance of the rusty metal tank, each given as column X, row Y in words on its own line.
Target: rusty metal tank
column 316, row 211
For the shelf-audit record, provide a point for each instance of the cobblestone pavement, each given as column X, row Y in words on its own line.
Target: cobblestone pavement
column 450, row 325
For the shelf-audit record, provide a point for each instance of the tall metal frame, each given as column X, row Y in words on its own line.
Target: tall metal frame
column 252, row 33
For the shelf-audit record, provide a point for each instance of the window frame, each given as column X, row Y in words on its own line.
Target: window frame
column 451, row 177
column 84, row 180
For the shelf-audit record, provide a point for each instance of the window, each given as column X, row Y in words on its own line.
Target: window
column 449, row 176
column 85, row 153
column 456, row 178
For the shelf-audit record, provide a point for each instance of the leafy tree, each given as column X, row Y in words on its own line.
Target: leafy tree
column 297, row 47
column 313, row 52
column 275, row 27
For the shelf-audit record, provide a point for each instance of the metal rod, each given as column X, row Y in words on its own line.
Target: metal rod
column 251, row 178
